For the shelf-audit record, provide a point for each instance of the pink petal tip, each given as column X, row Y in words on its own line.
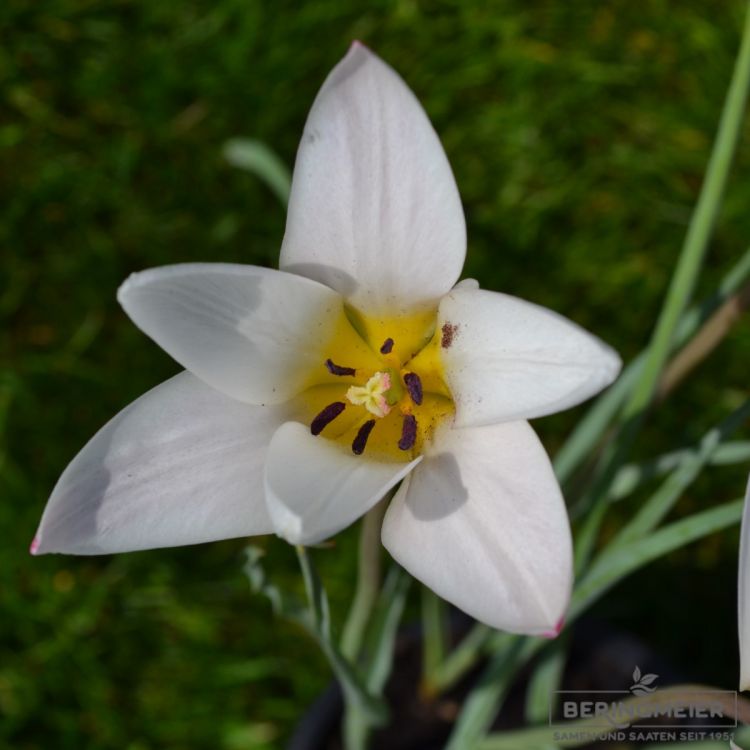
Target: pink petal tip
column 34, row 546
column 551, row 634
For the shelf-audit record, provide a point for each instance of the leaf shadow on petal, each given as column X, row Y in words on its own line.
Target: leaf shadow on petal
column 440, row 477
column 333, row 277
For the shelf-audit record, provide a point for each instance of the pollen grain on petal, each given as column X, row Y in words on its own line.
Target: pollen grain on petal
column 449, row 331
column 326, row 416
column 387, row 347
column 359, row 442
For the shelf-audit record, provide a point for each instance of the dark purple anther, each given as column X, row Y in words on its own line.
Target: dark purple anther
column 338, row 370
column 326, row 416
column 414, row 386
column 359, row 443
column 387, row 347
column 408, row 433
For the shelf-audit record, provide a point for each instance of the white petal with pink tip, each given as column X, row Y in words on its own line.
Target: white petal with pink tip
column 482, row 523
column 183, row 464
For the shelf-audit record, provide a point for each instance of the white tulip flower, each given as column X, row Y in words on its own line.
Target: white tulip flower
column 311, row 391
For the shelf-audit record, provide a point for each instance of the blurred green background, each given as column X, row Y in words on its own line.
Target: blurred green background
column 578, row 133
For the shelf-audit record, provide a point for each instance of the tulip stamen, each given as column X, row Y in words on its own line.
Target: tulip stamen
column 389, row 385
column 335, row 369
column 414, row 385
column 359, row 442
column 387, row 347
column 408, row 432
column 326, row 416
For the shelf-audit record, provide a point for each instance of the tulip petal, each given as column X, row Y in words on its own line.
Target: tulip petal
column 507, row 359
column 743, row 608
column 314, row 488
column 482, row 522
column 467, row 284
column 253, row 333
column 374, row 210
column 180, row 465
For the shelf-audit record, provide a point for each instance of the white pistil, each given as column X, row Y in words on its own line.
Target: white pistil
column 372, row 394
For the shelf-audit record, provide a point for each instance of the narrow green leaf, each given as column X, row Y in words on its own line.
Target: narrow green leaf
column 545, row 681
column 700, row 229
column 382, row 636
column 485, row 700
column 369, row 565
column 355, row 692
column 592, row 426
column 616, row 563
column 257, row 158
column 283, row 604
column 434, row 628
column 539, row 738
column 316, row 594
column 662, row 501
column 633, row 476
column 379, row 649
column 480, row 708
column 462, row 658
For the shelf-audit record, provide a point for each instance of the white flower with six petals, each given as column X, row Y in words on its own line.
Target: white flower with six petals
column 312, row 391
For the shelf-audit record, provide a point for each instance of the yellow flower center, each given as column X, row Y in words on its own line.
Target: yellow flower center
column 381, row 389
